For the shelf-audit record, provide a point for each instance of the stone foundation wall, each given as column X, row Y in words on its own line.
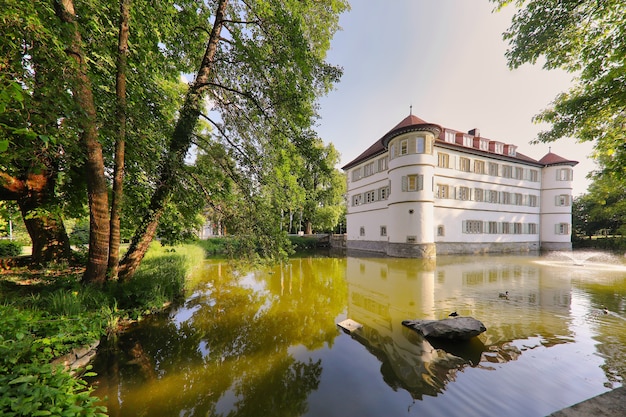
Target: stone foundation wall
column 367, row 245
column 338, row 241
column 431, row 250
column 556, row 246
column 412, row 250
column 492, row 247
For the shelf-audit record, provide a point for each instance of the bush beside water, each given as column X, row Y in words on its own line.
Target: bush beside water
column 9, row 248
column 54, row 313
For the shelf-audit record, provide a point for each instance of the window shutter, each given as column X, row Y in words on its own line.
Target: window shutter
column 420, row 182
column 405, row 183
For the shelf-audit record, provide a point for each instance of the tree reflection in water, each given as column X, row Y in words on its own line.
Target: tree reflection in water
column 226, row 350
column 266, row 342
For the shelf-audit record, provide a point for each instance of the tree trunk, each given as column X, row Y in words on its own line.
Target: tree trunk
column 45, row 228
column 181, row 140
column 94, row 167
column 120, row 143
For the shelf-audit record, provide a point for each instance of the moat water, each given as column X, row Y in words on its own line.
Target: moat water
column 266, row 342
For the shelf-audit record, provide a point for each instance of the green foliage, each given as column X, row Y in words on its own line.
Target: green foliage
column 79, row 236
column 9, row 248
column 587, row 39
column 303, row 243
column 41, row 322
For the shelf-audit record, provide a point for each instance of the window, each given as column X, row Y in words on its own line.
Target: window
column 473, row 226
column 383, row 193
column 506, row 228
column 443, row 191
column 532, row 228
column 357, row 200
column 463, row 193
column 450, row 136
column 517, row 228
column 493, row 196
column 368, row 169
column 479, row 194
column 534, row 175
column 564, row 174
column 498, row 147
column 532, row 200
column 562, row 229
column 493, row 169
column 357, row 174
column 362, row 231
column 382, row 164
column 493, row 227
column 383, row 230
column 370, row 196
column 479, row 167
column 563, row 200
column 484, row 145
column 404, row 147
column 414, row 182
column 441, row 231
column 507, row 171
column 518, row 199
column 420, row 145
column 464, row 164
column 519, row 173
column 468, row 141
column 506, row 198
column 443, row 160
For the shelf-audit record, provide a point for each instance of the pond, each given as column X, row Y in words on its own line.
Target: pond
column 266, row 342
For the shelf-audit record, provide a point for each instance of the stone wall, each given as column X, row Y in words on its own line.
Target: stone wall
column 405, row 250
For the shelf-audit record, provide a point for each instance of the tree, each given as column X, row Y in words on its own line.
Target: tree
column 262, row 78
column 603, row 208
column 260, row 68
column 586, row 38
column 97, row 188
column 324, row 186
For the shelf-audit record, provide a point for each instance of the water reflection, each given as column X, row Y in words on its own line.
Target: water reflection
column 262, row 342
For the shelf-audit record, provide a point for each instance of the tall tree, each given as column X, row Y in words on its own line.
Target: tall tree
column 33, row 102
column 97, row 189
column 586, row 38
column 120, row 142
column 324, row 186
column 262, row 78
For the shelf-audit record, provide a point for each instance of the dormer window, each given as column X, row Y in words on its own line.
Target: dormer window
column 484, row 145
column 510, row 150
column 497, row 147
column 468, row 141
column 450, row 136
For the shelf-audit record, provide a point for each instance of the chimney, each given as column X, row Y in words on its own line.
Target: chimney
column 475, row 132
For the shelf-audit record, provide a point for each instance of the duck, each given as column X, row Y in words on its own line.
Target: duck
column 605, row 310
column 453, row 314
column 504, row 294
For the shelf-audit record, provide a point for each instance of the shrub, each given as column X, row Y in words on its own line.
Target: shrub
column 9, row 248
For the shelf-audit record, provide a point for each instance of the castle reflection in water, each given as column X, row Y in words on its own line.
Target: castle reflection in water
column 382, row 292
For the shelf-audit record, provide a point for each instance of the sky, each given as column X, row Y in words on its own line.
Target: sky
column 446, row 59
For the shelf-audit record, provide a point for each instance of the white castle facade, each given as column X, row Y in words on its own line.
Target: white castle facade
column 423, row 190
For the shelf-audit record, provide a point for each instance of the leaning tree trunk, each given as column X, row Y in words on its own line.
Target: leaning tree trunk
column 94, row 166
column 181, row 141
column 45, row 227
column 120, row 143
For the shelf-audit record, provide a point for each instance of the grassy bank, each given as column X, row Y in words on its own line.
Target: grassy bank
column 45, row 314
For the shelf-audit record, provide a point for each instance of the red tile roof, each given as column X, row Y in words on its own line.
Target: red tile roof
column 412, row 122
column 554, row 159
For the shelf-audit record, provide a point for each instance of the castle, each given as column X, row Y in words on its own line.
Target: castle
column 424, row 190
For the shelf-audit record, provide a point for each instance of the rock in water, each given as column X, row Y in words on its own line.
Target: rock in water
column 458, row 328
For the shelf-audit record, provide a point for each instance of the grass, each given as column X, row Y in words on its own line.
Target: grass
column 45, row 314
